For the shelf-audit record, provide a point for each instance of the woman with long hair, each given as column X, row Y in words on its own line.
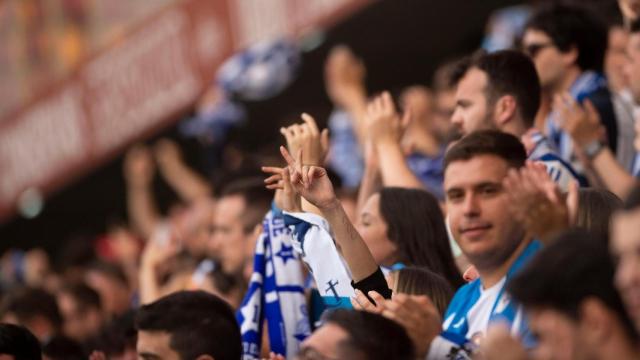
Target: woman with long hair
column 406, row 226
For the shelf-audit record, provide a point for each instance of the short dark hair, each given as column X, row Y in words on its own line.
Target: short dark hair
column 488, row 142
column 256, row 197
column 596, row 206
column 19, row 342
column 565, row 273
column 371, row 336
column 27, row 303
column 63, row 348
column 574, row 26
column 199, row 323
column 509, row 72
column 85, row 297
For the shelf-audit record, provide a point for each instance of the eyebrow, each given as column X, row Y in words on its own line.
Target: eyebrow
column 463, row 102
column 474, row 186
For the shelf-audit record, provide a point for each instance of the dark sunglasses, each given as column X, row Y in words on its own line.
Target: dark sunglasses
column 533, row 49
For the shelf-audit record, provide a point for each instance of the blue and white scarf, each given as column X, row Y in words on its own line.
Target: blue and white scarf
column 560, row 171
column 312, row 239
column 276, row 293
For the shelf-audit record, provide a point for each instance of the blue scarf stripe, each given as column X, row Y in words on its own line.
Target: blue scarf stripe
column 277, row 297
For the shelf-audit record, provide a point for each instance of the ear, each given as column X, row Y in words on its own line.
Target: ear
column 570, row 57
column 596, row 321
column 505, row 110
column 205, row 357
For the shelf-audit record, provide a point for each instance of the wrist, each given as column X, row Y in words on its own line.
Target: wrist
column 592, row 148
column 329, row 206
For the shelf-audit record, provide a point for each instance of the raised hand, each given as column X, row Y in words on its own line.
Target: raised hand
column 582, row 123
column 313, row 142
column 361, row 302
column 286, row 197
column 310, row 182
column 344, row 77
column 418, row 315
column 383, row 122
column 537, row 202
column 167, row 152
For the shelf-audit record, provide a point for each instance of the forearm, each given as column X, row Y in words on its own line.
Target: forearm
column 148, row 284
column 614, row 176
column 394, row 168
column 189, row 185
column 355, row 104
column 369, row 185
column 142, row 210
column 354, row 250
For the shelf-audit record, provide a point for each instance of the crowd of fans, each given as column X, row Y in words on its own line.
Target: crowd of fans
column 492, row 215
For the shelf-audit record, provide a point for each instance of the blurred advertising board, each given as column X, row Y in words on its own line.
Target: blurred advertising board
column 139, row 84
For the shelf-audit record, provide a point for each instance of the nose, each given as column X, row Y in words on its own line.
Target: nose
column 471, row 207
column 456, row 119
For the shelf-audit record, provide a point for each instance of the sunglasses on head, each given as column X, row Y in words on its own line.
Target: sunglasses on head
column 533, row 49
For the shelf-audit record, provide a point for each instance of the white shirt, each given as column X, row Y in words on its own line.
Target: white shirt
column 478, row 315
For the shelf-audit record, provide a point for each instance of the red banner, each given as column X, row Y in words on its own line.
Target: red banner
column 138, row 85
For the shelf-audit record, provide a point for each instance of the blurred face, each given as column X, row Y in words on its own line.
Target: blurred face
column 551, row 64
column 373, row 230
column 193, row 226
column 78, row 324
column 154, row 345
column 114, row 296
column 445, row 105
column 558, row 336
column 230, row 241
column 625, row 246
column 616, row 58
column 419, row 101
column 632, row 67
column 324, row 343
column 478, row 209
column 472, row 112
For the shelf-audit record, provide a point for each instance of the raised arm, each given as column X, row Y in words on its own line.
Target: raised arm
column 384, row 129
column 186, row 182
column 141, row 206
column 344, row 81
column 313, row 184
column 583, row 125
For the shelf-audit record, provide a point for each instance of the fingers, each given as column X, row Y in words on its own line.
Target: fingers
column 324, row 141
column 360, row 302
column 376, row 297
column 311, row 123
column 287, row 157
column 298, row 164
column 286, row 179
column 387, row 102
column 273, row 178
column 272, row 170
column 305, row 176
